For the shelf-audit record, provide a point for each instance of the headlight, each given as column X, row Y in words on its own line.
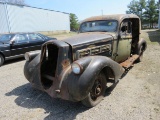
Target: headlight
column 31, row 55
column 26, row 56
column 76, row 68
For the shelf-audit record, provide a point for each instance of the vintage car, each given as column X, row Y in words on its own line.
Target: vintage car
column 78, row 68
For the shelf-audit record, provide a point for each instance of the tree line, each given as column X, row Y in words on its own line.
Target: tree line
column 74, row 24
column 147, row 10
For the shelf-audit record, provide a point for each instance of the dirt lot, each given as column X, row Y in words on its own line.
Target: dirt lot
column 135, row 97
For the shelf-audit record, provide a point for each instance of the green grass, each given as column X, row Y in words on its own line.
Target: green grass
column 60, row 36
column 151, row 36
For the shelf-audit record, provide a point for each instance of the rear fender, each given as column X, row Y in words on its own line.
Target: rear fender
column 142, row 42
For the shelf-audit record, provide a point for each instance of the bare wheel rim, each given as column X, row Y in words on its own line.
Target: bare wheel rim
column 96, row 90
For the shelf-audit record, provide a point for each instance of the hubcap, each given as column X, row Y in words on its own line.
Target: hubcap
column 96, row 90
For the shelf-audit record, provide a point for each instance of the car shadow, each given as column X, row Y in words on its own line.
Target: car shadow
column 113, row 84
column 111, row 87
column 154, row 36
column 55, row 109
column 8, row 62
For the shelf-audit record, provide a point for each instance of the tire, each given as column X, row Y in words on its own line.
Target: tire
column 1, row 60
column 97, row 92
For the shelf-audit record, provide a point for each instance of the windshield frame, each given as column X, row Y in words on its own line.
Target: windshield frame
column 80, row 31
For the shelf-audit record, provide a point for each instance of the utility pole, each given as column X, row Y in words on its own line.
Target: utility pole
column 102, row 12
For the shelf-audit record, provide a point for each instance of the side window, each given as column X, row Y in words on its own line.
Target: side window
column 21, row 38
column 34, row 37
column 43, row 36
column 126, row 27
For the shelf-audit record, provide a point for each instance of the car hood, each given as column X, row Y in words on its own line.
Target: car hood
column 89, row 37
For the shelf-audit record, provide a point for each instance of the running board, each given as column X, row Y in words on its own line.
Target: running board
column 129, row 62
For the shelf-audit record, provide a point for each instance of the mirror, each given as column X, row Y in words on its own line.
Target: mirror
column 12, row 42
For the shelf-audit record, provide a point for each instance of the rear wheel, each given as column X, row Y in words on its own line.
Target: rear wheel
column 1, row 60
column 97, row 92
column 140, row 53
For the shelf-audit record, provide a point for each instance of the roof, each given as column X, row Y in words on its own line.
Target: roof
column 4, row 2
column 118, row 17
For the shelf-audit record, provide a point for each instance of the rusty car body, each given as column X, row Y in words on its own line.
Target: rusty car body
column 78, row 68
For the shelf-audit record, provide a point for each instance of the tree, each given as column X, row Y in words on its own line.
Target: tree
column 142, row 4
column 151, row 12
column 133, row 7
column 19, row 2
column 137, row 7
column 146, row 10
column 73, row 22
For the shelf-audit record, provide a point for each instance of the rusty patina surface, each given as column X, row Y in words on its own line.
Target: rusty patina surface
column 118, row 17
column 109, row 52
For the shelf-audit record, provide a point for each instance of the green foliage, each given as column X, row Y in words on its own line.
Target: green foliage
column 151, row 13
column 136, row 7
column 74, row 25
column 146, row 10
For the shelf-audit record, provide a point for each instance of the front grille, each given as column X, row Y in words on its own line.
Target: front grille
column 49, row 64
column 93, row 51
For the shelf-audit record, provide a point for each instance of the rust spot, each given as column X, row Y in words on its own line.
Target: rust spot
column 65, row 63
column 129, row 61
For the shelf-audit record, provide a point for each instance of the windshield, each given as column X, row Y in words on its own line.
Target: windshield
column 99, row 26
column 6, row 37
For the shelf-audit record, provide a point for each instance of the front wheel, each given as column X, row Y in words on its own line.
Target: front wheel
column 97, row 92
column 1, row 60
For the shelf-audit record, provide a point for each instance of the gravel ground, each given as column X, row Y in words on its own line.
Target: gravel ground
column 135, row 97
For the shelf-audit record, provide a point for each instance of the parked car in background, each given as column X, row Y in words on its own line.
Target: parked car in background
column 14, row 45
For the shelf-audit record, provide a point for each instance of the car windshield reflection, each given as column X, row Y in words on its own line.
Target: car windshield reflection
column 6, row 37
column 99, row 26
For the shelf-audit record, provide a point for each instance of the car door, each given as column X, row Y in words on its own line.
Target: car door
column 35, row 41
column 124, row 42
column 20, row 45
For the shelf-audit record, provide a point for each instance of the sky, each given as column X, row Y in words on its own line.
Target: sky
column 83, row 8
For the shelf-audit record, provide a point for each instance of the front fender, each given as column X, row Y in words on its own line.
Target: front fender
column 80, row 85
column 32, row 72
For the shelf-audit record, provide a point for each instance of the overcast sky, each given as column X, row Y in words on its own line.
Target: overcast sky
column 83, row 8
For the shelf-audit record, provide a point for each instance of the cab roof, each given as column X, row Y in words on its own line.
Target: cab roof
column 118, row 17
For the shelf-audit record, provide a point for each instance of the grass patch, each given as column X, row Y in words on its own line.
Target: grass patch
column 151, row 36
column 61, row 35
